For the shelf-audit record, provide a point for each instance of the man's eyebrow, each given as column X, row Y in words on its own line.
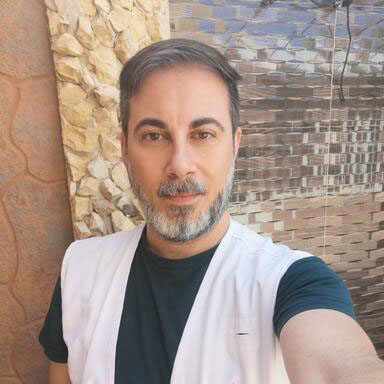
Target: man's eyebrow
column 206, row 120
column 149, row 121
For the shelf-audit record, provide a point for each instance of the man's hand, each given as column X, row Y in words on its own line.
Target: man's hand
column 328, row 347
column 58, row 373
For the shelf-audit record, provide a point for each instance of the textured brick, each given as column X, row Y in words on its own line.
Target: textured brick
column 282, row 215
column 356, row 219
column 378, row 235
column 267, row 228
column 379, row 197
column 281, row 236
column 378, row 253
column 355, row 237
column 378, row 217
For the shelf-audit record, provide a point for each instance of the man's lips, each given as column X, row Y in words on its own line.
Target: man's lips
column 185, row 197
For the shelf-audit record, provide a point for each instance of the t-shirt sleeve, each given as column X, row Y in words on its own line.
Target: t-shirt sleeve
column 309, row 284
column 51, row 335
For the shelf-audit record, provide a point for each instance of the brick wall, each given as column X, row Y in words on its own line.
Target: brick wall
column 310, row 169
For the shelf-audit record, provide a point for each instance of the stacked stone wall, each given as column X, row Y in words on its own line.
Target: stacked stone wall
column 91, row 40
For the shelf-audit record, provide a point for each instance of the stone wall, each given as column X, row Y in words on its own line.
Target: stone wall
column 91, row 40
column 310, row 170
column 35, row 221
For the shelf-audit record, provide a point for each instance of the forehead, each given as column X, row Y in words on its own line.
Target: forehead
column 186, row 90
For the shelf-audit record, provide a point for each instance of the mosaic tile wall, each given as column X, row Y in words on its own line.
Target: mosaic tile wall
column 310, row 169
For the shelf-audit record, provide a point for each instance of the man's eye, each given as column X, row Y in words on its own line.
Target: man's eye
column 152, row 136
column 204, row 135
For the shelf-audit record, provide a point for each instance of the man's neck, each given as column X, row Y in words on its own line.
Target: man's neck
column 173, row 250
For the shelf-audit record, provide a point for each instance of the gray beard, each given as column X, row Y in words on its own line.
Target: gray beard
column 177, row 227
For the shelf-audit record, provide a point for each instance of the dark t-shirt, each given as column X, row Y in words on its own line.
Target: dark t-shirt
column 159, row 296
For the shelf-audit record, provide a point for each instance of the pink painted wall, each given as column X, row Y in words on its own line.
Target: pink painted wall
column 35, row 225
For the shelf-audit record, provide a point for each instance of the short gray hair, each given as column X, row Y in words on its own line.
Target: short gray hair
column 173, row 52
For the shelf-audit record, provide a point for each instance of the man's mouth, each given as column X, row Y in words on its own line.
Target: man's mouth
column 182, row 198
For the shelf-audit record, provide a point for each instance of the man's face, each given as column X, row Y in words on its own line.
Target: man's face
column 179, row 151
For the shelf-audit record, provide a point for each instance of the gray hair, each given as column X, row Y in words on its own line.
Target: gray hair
column 169, row 53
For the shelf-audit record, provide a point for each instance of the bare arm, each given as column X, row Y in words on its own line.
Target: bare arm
column 58, row 373
column 328, row 347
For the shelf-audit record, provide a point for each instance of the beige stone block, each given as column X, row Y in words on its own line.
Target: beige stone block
column 107, row 96
column 72, row 189
column 110, row 148
column 87, row 7
column 68, row 11
column 125, row 206
column 102, row 207
column 81, row 230
column 379, row 197
column 127, row 4
column 107, row 66
column 106, row 120
column 77, row 163
column 80, row 207
column 145, row 5
column 378, row 235
column 159, row 3
column 71, row 93
column 109, row 190
column 125, row 46
column 89, row 80
column 96, row 224
column 103, row 31
column 138, row 207
column 121, row 222
column 98, row 169
column 53, row 23
column 158, row 27
column 69, row 69
column 89, row 186
column 78, row 114
column 378, row 217
column 378, row 253
column 102, row 5
column 120, row 176
column 84, row 32
column 51, row 5
column 79, row 139
column 66, row 44
column 137, row 28
column 120, row 19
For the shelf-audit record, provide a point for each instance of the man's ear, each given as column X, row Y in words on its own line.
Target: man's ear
column 123, row 143
column 236, row 141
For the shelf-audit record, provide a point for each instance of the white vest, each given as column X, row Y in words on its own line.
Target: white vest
column 229, row 336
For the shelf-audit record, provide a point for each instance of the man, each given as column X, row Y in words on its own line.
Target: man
column 193, row 297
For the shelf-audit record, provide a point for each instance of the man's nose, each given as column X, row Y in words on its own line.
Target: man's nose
column 181, row 163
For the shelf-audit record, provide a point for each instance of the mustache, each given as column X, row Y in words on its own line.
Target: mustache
column 174, row 187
